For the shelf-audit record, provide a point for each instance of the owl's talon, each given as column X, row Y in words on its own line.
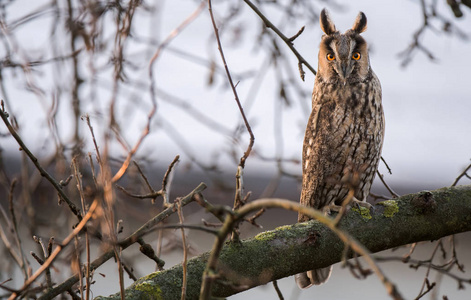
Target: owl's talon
column 358, row 204
column 364, row 204
column 327, row 210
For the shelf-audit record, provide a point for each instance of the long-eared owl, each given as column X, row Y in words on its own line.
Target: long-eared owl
column 344, row 134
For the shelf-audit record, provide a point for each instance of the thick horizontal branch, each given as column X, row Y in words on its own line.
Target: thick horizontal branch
column 291, row 249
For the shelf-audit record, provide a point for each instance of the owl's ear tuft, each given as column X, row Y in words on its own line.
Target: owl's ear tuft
column 360, row 23
column 327, row 25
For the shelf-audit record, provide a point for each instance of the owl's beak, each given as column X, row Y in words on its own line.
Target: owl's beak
column 344, row 70
column 344, row 74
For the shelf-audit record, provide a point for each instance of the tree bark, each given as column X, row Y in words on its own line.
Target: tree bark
column 291, row 249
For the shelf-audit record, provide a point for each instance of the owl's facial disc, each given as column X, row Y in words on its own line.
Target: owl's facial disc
column 343, row 69
column 344, row 57
column 344, row 64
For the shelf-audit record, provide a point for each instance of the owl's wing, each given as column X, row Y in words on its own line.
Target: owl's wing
column 313, row 169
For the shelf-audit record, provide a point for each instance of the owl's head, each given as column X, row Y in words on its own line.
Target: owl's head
column 343, row 57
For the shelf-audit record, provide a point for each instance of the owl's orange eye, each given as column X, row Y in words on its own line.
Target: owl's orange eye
column 330, row 56
column 356, row 55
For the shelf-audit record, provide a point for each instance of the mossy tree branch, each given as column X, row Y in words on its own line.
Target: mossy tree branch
column 290, row 249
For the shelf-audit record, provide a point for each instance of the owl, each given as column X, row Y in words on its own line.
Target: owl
column 344, row 134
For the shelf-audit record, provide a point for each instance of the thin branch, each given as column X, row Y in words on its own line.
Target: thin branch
column 57, row 250
column 291, row 39
column 386, row 164
column 415, row 263
column 386, row 185
column 234, row 91
column 464, row 173
column 288, row 41
column 42, row 171
column 185, row 250
column 148, row 251
column 87, row 119
column 46, row 254
column 149, row 225
column 152, row 195
column 240, row 169
column 9, row 246
column 121, row 36
column 78, row 179
column 16, row 233
column 277, row 289
column 426, row 282
column 167, row 180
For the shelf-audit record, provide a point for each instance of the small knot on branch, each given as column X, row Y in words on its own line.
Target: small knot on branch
column 425, row 202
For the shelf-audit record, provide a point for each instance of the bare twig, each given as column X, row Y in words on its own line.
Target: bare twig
column 254, row 217
column 429, row 285
column 92, row 168
column 217, row 211
column 147, row 250
column 386, row 185
column 386, row 165
column 277, row 289
column 167, row 180
column 157, row 219
column 42, row 171
column 238, row 197
column 152, row 195
column 430, row 13
column 291, row 39
column 185, row 250
column 97, row 150
column 407, row 53
column 76, row 265
column 234, row 91
column 288, row 41
column 9, row 246
column 164, row 191
column 149, row 225
column 46, row 254
column 240, row 169
column 443, row 269
column 355, row 267
column 122, row 34
column 15, row 231
column 463, row 174
column 426, row 282
column 78, row 179
column 57, row 250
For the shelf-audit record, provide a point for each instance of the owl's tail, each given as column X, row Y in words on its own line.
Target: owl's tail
column 313, row 277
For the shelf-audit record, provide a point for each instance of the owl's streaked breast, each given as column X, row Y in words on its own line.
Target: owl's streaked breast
column 344, row 135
